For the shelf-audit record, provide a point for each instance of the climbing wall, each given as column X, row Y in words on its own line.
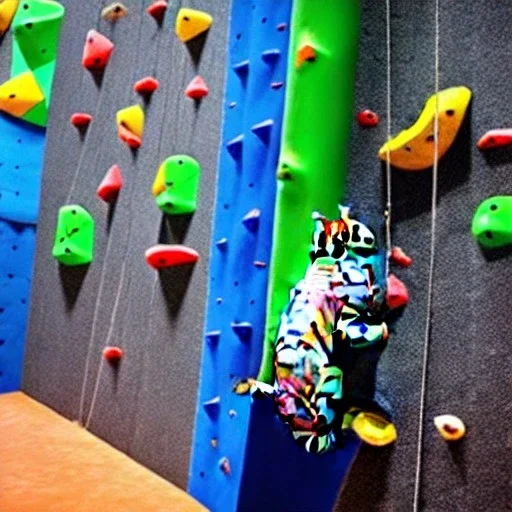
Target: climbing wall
column 242, row 241
column 30, row 47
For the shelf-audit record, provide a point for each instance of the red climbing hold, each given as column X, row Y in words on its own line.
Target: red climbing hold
column 111, row 184
column 146, row 86
column 397, row 295
column 113, row 354
column 197, row 88
column 399, row 257
column 80, row 119
column 163, row 256
column 500, row 138
column 157, row 10
column 367, row 118
column 129, row 137
column 97, row 51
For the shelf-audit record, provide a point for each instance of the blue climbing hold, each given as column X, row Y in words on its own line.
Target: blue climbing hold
column 212, row 337
column 243, row 330
column 252, row 220
column 241, row 68
column 212, row 406
column 270, row 56
column 263, row 130
column 234, row 147
column 222, row 244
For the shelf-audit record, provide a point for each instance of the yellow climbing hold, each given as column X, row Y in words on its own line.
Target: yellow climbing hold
column 159, row 183
column 413, row 148
column 190, row 23
column 19, row 94
column 132, row 118
column 374, row 429
column 7, row 12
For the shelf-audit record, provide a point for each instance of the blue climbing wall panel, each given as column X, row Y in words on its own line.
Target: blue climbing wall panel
column 254, row 103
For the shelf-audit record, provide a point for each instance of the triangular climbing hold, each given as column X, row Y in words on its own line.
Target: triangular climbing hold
column 7, row 12
column 146, row 86
column 243, row 330
column 176, row 185
column 212, row 406
column 20, row 94
column 305, row 53
column 80, row 119
column 197, row 88
column 191, row 23
column 263, row 130
column 271, row 56
column 74, row 236
column 222, row 244
column 234, row 147
column 111, row 184
column 212, row 337
column 157, row 10
column 164, row 256
column 130, row 125
column 97, row 51
column 397, row 295
column 241, row 68
column 114, row 11
column 252, row 220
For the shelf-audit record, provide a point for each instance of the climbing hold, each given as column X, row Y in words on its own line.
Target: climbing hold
column 241, row 68
column 97, row 51
column 450, row 427
column 212, row 337
column 495, row 139
column 305, row 53
column 74, row 237
column 399, row 257
column 176, row 185
column 260, row 264
column 234, row 147
column 397, row 295
column 492, row 222
column 367, row 118
column 281, row 27
column 374, row 429
column 110, row 185
column 20, row 94
column 146, row 86
column 197, row 88
column 232, row 413
column 252, row 220
column 276, row 85
column 222, row 244
column 263, row 130
column 271, row 56
column 214, row 442
column 225, row 466
column 7, row 12
column 190, row 23
column 165, row 256
column 114, row 11
column 243, row 387
column 243, row 330
column 113, row 354
column 130, row 125
column 157, row 10
column 80, row 119
column 212, row 406
column 413, row 148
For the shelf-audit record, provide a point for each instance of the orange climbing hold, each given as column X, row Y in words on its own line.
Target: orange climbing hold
column 500, row 138
column 80, row 119
column 97, row 51
column 305, row 53
column 397, row 295
column 157, row 10
column 146, row 86
column 113, row 354
column 367, row 118
column 197, row 88
column 111, row 184
column 164, row 256
column 128, row 137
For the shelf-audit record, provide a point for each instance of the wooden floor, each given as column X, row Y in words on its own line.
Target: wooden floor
column 49, row 464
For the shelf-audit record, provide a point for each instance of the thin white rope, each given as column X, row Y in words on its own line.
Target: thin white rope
column 387, row 212
column 424, row 374
column 95, row 393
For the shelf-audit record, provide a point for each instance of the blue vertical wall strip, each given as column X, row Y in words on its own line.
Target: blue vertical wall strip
column 242, row 241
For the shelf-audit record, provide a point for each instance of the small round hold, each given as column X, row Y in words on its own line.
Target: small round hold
column 225, row 466
column 367, row 118
column 113, row 354
column 450, row 427
column 232, row 413
column 399, row 257
column 214, row 442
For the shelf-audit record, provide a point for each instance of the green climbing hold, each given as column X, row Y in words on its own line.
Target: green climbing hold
column 74, row 238
column 176, row 185
column 492, row 222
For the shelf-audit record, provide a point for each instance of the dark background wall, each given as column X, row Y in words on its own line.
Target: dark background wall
column 150, row 414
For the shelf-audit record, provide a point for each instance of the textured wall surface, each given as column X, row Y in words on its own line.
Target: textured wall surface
column 470, row 356
column 147, row 409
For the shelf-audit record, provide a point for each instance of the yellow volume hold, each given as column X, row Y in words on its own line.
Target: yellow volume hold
column 7, row 12
column 413, row 149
